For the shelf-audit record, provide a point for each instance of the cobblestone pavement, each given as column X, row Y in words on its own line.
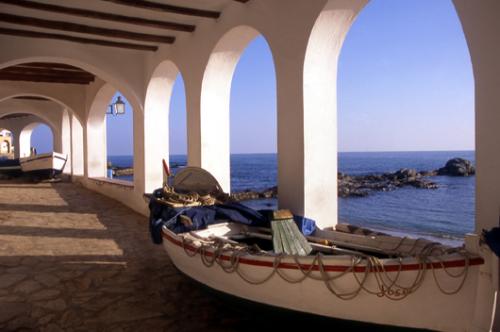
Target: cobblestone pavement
column 73, row 260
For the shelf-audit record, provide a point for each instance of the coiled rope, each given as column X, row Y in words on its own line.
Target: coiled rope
column 213, row 251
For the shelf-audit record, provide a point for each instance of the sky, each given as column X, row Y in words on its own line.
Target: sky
column 405, row 83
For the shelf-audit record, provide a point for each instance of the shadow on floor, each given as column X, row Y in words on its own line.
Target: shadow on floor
column 136, row 290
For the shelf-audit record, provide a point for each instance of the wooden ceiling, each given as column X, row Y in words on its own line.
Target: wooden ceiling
column 47, row 73
column 130, row 24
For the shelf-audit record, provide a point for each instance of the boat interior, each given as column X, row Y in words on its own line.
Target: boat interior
column 343, row 240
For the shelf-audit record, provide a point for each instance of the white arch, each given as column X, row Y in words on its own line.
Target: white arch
column 215, row 100
column 65, row 125
column 320, row 108
column 156, row 120
column 42, row 119
column 115, row 79
column 24, row 145
column 42, row 94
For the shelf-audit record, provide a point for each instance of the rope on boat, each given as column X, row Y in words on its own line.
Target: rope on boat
column 212, row 251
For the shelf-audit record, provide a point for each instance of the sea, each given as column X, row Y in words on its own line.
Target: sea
column 445, row 214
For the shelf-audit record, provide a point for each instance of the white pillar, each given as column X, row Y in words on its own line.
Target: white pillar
column 156, row 123
column 307, row 116
column 16, row 133
column 77, row 159
column 65, row 134
column 95, row 133
column 481, row 24
column 96, row 149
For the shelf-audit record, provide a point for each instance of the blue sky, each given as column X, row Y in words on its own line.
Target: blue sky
column 405, row 83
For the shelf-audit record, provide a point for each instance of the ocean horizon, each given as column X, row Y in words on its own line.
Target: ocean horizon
column 445, row 214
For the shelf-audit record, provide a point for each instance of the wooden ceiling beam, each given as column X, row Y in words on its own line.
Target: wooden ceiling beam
column 160, row 7
column 41, row 78
column 81, row 40
column 50, row 65
column 81, row 28
column 48, row 77
column 31, row 98
column 100, row 15
column 47, row 72
column 15, row 115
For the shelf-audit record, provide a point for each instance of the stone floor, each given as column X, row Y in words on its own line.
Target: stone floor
column 73, row 260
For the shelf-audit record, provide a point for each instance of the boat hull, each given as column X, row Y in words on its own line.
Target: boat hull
column 427, row 307
column 10, row 167
column 44, row 165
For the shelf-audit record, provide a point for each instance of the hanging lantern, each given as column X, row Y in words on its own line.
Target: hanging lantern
column 117, row 108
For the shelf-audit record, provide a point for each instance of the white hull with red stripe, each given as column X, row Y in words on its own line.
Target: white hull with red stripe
column 426, row 307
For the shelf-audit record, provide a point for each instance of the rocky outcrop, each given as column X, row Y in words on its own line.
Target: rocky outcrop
column 122, row 171
column 457, row 167
column 362, row 185
column 249, row 194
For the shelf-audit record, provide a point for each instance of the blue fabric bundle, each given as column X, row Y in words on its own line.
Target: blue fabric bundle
column 492, row 239
column 202, row 216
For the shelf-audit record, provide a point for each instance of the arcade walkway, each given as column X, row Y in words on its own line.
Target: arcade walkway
column 72, row 260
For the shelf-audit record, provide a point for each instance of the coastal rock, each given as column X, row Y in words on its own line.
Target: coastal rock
column 428, row 173
column 457, row 167
column 249, row 194
column 123, row 171
column 362, row 185
column 406, row 174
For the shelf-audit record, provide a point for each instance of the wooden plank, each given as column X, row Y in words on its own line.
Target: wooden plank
column 101, row 15
column 300, row 238
column 166, row 8
column 81, row 40
column 277, row 243
column 294, row 240
column 81, row 28
column 285, row 239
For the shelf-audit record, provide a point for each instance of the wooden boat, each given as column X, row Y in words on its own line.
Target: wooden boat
column 10, row 167
column 352, row 274
column 46, row 165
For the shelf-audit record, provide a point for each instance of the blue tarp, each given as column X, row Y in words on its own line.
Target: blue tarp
column 492, row 239
column 202, row 216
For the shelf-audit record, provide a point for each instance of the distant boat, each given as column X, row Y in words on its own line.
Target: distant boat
column 10, row 167
column 46, row 165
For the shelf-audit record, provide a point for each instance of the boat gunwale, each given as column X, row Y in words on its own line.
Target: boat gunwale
column 265, row 260
column 43, row 156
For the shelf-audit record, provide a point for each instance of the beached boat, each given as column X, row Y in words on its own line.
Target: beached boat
column 46, row 165
column 352, row 273
column 10, row 167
